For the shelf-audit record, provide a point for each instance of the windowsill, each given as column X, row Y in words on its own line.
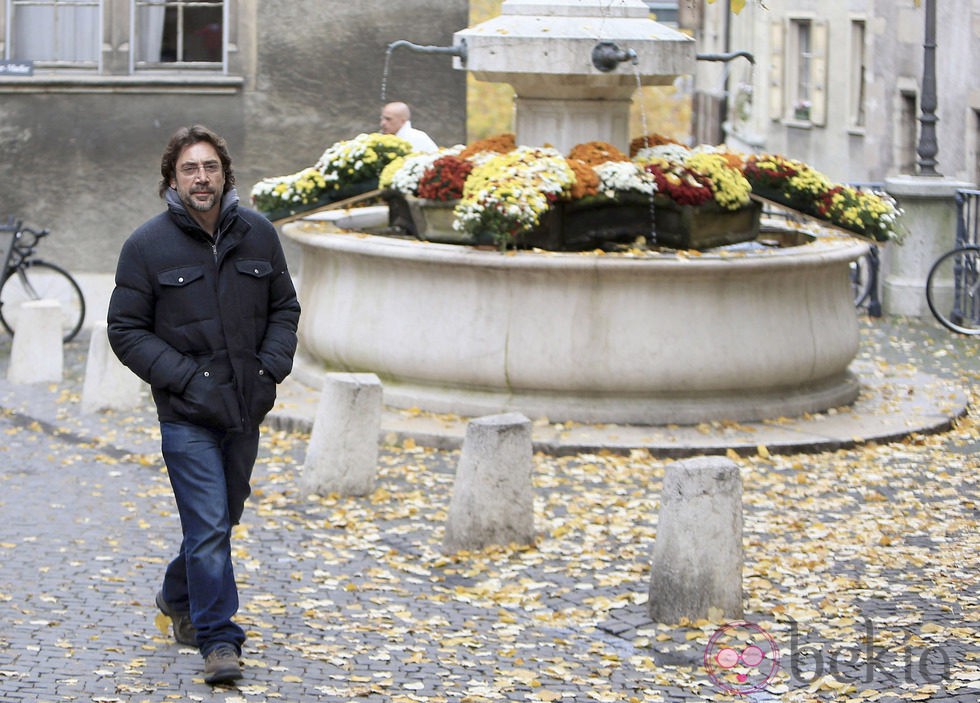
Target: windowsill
column 142, row 82
column 856, row 131
column 797, row 123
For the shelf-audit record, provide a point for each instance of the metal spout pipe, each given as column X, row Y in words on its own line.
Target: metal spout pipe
column 606, row 56
column 726, row 57
column 458, row 51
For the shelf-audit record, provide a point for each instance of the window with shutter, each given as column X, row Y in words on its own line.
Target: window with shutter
column 799, row 73
column 857, row 88
column 817, row 80
column 776, row 73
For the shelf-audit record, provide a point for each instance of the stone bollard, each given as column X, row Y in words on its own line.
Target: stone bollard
column 37, row 353
column 493, row 498
column 698, row 555
column 930, row 215
column 342, row 456
column 108, row 384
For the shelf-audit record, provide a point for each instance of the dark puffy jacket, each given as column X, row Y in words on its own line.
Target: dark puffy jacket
column 211, row 328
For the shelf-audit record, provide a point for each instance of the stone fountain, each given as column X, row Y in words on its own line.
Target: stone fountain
column 574, row 66
column 649, row 340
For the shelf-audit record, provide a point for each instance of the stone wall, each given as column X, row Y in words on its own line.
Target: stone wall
column 81, row 153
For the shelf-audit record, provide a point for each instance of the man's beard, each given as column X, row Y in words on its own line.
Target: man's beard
column 190, row 202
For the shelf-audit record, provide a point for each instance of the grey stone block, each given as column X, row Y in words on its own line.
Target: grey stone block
column 698, row 553
column 37, row 353
column 493, row 497
column 108, row 384
column 343, row 452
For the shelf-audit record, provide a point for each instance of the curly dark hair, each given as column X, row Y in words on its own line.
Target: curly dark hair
column 185, row 137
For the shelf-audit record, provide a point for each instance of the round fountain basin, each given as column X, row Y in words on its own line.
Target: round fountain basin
column 586, row 337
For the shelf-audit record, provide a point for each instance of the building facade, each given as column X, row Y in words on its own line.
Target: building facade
column 839, row 85
column 91, row 90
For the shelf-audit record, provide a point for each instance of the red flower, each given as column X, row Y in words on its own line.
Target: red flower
column 683, row 186
column 444, row 179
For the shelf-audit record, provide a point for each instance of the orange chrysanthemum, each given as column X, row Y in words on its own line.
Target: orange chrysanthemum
column 501, row 143
column 586, row 179
column 649, row 140
column 595, row 153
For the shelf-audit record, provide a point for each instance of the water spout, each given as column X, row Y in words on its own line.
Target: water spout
column 458, row 51
column 726, row 57
column 606, row 56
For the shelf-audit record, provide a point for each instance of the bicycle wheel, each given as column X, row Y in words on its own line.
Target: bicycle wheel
column 953, row 290
column 39, row 280
column 862, row 278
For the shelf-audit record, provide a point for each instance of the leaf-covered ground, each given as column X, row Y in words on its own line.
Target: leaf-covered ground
column 861, row 564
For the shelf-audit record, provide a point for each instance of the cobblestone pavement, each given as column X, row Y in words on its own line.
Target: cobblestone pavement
column 861, row 566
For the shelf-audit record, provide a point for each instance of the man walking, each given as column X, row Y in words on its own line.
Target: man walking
column 204, row 310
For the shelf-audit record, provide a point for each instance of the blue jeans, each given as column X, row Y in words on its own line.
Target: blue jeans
column 209, row 471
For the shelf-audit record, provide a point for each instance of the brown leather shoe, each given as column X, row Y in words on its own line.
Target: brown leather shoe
column 184, row 631
column 222, row 665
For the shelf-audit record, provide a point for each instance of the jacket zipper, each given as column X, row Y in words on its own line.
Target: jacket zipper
column 241, row 399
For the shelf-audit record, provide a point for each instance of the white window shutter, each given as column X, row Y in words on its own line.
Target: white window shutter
column 777, row 61
column 818, row 73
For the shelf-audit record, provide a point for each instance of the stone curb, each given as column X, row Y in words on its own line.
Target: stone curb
column 890, row 408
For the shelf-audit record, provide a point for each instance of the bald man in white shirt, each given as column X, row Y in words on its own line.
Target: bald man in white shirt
column 396, row 118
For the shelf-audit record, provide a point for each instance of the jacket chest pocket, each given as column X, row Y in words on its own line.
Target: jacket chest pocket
column 180, row 277
column 254, row 268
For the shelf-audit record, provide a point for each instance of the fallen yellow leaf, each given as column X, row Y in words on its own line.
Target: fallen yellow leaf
column 163, row 623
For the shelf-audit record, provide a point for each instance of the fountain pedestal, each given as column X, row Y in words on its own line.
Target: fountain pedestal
column 544, row 49
column 565, row 123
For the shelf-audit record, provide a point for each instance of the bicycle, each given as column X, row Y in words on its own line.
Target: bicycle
column 27, row 278
column 863, row 273
column 953, row 289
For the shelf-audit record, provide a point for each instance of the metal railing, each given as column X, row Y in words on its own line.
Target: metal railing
column 967, row 217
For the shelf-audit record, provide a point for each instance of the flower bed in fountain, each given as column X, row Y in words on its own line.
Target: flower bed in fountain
column 797, row 186
column 496, row 192
column 347, row 168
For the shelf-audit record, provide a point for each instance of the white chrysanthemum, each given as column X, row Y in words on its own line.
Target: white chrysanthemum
column 623, row 176
column 406, row 179
column 667, row 152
